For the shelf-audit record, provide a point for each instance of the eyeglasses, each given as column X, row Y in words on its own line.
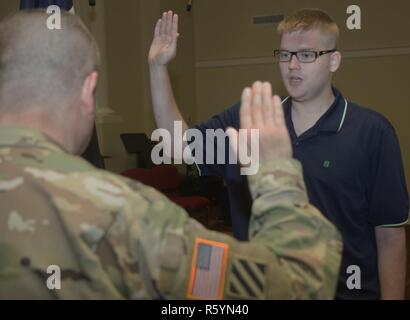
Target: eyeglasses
column 303, row 56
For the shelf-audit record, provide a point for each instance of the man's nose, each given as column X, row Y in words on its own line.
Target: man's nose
column 294, row 63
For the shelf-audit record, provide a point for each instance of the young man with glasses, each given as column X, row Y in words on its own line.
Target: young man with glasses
column 351, row 155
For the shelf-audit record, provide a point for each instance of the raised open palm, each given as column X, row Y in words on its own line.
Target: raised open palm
column 259, row 110
column 164, row 46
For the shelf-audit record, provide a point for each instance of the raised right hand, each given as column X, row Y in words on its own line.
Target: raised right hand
column 164, row 46
column 259, row 110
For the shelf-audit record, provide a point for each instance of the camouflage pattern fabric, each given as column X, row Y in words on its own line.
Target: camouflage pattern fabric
column 114, row 238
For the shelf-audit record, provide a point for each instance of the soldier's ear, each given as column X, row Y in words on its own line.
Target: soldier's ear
column 88, row 91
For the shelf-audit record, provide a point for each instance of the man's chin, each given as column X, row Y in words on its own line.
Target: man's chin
column 296, row 94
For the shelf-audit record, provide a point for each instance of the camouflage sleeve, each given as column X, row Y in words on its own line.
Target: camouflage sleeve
column 294, row 252
column 306, row 243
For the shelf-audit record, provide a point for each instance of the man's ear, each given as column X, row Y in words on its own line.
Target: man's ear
column 88, row 92
column 335, row 61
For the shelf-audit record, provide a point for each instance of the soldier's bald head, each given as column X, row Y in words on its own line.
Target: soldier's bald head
column 40, row 67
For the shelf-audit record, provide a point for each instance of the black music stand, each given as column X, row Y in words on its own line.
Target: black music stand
column 141, row 146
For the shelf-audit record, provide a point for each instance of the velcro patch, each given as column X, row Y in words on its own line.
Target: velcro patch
column 247, row 279
column 208, row 270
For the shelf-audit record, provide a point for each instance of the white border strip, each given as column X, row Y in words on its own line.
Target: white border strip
column 394, row 225
column 352, row 54
column 343, row 117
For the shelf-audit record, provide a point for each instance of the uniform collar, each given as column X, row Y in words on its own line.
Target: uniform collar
column 19, row 136
column 331, row 121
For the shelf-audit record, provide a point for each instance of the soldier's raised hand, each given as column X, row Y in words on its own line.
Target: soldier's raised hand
column 164, row 45
column 259, row 110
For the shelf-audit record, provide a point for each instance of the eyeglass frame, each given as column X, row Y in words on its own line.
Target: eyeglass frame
column 295, row 53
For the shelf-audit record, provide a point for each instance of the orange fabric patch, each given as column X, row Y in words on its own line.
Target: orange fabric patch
column 208, row 270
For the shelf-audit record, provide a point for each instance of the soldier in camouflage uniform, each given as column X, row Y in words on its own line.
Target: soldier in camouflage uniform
column 113, row 238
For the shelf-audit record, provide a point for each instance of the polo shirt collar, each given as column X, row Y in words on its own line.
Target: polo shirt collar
column 331, row 121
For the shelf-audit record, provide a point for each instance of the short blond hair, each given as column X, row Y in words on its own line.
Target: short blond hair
column 310, row 19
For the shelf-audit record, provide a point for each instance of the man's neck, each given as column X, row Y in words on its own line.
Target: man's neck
column 306, row 113
column 315, row 107
column 37, row 122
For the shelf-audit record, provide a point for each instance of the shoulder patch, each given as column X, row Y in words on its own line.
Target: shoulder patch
column 247, row 279
column 208, row 270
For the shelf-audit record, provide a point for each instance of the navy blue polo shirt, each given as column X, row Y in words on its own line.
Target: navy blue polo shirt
column 354, row 175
